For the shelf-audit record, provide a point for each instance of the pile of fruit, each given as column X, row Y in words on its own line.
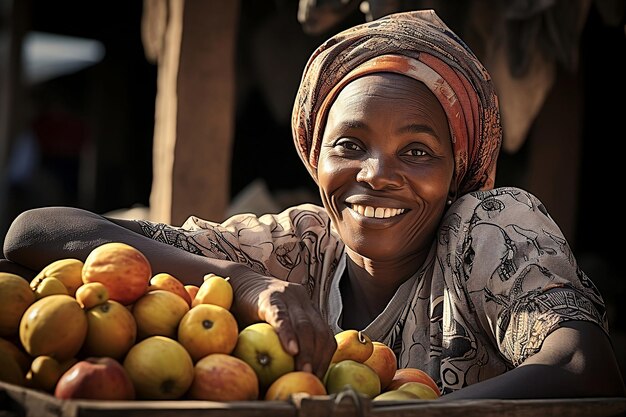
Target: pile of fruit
column 109, row 329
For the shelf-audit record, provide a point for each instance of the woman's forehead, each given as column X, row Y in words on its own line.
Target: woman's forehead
column 393, row 90
column 396, row 103
column 390, row 83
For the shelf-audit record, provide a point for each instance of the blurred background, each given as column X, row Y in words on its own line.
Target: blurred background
column 163, row 109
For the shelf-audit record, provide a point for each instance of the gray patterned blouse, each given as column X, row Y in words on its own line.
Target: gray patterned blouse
column 498, row 280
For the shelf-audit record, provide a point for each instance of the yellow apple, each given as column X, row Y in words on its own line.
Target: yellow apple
column 111, row 330
column 14, row 349
column 49, row 286
column 395, row 395
column 68, row 271
column 160, row 368
column 158, row 312
column 15, row 297
column 214, row 290
column 54, row 326
column 10, row 370
column 44, row 373
column 259, row 346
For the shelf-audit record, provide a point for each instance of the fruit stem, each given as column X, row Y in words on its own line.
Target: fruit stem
column 361, row 337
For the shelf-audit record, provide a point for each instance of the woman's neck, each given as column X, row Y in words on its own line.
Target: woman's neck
column 367, row 287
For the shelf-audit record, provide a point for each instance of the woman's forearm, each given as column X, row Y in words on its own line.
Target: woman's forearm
column 575, row 360
column 38, row 237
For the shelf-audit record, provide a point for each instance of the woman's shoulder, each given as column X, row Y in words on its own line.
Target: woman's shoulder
column 497, row 202
column 301, row 216
column 307, row 209
column 294, row 220
column 501, row 193
column 503, row 208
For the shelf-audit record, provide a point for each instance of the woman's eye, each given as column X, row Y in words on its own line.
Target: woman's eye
column 348, row 144
column 416, row 152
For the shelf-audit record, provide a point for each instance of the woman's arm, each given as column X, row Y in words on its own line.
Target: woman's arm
column 575, row 360
column 40, row 236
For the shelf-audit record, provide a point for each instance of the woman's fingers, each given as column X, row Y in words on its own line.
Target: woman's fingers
column 300, row 328
column 306, row 340
column 325, row 346
column 274, row 310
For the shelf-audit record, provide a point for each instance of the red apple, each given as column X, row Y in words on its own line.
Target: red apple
column 96, row 378
column 404, row 375
column 221, row 377
column 383, row 361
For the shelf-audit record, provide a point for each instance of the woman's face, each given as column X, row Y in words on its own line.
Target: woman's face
column 386, row 166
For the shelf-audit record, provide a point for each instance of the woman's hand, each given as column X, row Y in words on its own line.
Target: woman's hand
column 289, row 309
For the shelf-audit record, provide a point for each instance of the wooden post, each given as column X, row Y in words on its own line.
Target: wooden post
column 195, row 106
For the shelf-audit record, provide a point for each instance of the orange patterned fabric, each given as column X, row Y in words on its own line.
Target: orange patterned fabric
column 419, row 45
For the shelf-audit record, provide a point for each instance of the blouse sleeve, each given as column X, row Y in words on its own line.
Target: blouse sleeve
column 282, row 245
column 518, row 271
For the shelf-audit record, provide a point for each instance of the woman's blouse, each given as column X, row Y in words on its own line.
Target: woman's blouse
column 498, row 280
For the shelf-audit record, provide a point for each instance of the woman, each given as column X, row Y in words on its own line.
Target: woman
column 398, row 124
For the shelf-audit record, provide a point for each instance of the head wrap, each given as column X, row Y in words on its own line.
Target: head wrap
column 419, row 45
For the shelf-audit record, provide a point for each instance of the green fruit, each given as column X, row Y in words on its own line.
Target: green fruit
column 259, row 346
column 358, row 376
column 396, row 395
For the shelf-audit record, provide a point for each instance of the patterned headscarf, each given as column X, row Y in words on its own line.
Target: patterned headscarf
column 419, row 45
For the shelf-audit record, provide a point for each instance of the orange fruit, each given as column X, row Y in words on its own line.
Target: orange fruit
column 122, row 268
column 92, row 294
column 293, row 383
column 206, row 329
column 354, row 345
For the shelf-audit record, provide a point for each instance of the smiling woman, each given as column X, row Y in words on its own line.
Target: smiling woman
column 398, row 124
column 385, row 170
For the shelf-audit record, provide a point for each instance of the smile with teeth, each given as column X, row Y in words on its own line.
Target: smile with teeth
column 377, row 212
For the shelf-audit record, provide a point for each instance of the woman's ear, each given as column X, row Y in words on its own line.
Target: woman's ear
column 452, row 191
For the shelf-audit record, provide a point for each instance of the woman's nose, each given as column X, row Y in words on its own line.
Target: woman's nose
column 379, row 173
